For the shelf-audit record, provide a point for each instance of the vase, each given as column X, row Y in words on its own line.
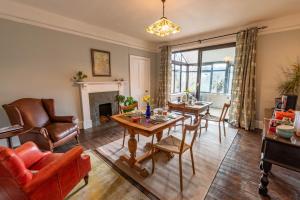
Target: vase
column 148, row 111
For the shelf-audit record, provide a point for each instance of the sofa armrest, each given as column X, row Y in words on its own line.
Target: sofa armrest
column 53, row 169
column 30, row 153
column 66, row 119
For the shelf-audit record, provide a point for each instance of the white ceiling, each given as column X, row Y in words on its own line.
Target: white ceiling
column 194, row 16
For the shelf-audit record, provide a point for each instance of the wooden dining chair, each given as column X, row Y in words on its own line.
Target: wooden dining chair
column 172, row 144
column 179, row 108
column 124, row 109
column 220, row 119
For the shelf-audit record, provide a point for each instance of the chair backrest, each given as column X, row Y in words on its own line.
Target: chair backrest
column 13, row 168
column 31, row 110
column 193, row 129
column 124, row 109
column 179, row 107
column 224, row 111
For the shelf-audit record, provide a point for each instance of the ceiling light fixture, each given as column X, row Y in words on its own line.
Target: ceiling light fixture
column 163, row 27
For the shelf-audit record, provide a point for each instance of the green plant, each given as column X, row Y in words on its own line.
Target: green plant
column 120, row 98
column 292, row 85
column 79, row 76
column 126, row 101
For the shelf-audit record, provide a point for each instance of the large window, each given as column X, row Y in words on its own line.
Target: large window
column 184, row 71
column 212, row 73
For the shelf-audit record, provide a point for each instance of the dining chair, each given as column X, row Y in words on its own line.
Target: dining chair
column 220, row 119
column 124, row 109
column 174, row 145
column 179, row 108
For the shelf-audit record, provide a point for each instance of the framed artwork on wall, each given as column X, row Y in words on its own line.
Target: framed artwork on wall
column 100, row 63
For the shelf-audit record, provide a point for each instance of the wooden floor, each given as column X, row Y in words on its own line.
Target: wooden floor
column 239, row 174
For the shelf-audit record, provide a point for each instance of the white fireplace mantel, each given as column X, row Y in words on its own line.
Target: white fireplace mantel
column 93, row 87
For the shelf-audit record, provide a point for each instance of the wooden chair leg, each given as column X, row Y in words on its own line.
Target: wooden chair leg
column 86, row 179
column 192, row 158
column 206, row 125
column 124, row 135
column 180, row 173
column 77, row 139
column 220, row 132
column 152, row 158
column 224, row 129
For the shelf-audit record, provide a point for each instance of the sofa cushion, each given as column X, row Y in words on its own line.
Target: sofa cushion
column 57, row 131
column 46, row 160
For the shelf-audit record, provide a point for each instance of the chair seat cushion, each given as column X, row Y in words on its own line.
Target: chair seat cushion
column 171, row 144
column 57, row 131
column 211, row 118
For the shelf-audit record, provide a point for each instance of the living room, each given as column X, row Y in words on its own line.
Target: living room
column 113, row 85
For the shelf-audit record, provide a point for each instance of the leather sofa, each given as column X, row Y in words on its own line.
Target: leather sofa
column 48, row 130
column 28, row 173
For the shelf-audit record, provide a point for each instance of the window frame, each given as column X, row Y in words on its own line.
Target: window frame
column 200, row 64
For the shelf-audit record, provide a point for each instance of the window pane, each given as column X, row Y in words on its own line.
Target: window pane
column 193, row 68
column 178, row 57
column 218, row 82
column 183, row 80
column 206, row 67
column 220, row 66
column 192, row 82
column 205, row 82
column 190, row 57
column 184, row 68
column 177, row 82
column 177, row 68
column 230, row 79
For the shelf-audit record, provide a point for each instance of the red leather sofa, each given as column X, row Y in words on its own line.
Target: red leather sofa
column 28, row 173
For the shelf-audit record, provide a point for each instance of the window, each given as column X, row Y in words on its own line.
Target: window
column 184, row 71
column 213, row 74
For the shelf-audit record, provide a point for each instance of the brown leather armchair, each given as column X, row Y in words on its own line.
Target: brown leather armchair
column 49, row 130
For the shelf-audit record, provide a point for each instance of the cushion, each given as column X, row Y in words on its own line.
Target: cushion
column 46, row 160
column 57, row 131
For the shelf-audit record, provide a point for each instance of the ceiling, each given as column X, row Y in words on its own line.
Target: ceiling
column 194, row 16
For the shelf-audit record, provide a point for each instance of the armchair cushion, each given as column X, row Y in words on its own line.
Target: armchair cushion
column 57, row 131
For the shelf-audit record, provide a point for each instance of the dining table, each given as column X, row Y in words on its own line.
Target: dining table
column 146, row 127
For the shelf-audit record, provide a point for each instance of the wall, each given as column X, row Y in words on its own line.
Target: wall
column 274, row 51
column 37, row 62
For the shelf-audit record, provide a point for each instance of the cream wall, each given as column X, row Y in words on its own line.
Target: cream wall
column 274, row 51
column 37, row 62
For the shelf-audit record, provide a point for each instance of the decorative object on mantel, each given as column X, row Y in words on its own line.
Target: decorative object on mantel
column 290, row 88
column 163, row 27
column 120, row 79
column 79, row 76
column 297, row 123
column 100, row 62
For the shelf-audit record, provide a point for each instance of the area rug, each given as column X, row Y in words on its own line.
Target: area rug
column 105, row 184
column 164, row 183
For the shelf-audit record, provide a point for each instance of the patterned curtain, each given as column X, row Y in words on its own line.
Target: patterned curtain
column 164, row 77
column 242, row 112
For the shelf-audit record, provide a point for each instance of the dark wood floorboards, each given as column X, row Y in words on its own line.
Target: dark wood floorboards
column 238, row 176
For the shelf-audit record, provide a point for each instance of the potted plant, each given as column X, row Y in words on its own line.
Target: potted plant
column 125, row 101
column 79, row 76
column 291, row 86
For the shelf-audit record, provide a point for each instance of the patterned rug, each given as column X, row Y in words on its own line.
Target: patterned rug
column 105, row 184
column 164, row 183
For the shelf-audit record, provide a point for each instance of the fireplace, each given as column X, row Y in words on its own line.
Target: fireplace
column 102, row 106
column 105, row 112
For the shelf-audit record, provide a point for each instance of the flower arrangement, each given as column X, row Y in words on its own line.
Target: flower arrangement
column 147, row 99
column 79, row 76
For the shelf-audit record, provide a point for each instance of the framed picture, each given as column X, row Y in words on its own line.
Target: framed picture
column 100, row 63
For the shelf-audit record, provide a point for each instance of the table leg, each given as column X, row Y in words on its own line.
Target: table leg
column 159, row 136
column 132, row 160
column 266, row 167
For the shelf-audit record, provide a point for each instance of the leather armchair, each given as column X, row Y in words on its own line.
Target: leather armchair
column 28, row 173
column 49, row 130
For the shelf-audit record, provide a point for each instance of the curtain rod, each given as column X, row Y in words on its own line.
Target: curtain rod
column 211, row 38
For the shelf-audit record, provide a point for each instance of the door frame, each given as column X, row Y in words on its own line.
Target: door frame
column 144, row 58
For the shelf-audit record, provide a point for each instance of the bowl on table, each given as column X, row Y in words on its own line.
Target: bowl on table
column 285, row 131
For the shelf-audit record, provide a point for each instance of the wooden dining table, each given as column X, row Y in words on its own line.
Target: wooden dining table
column 145, row 127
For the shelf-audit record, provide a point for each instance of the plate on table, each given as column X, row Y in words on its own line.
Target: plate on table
column 159, row 118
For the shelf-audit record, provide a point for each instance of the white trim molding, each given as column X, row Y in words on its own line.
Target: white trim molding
column 34, row 16
column 91, row 87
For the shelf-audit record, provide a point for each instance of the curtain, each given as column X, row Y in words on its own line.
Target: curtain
column 242, row 112
column 164, row 77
